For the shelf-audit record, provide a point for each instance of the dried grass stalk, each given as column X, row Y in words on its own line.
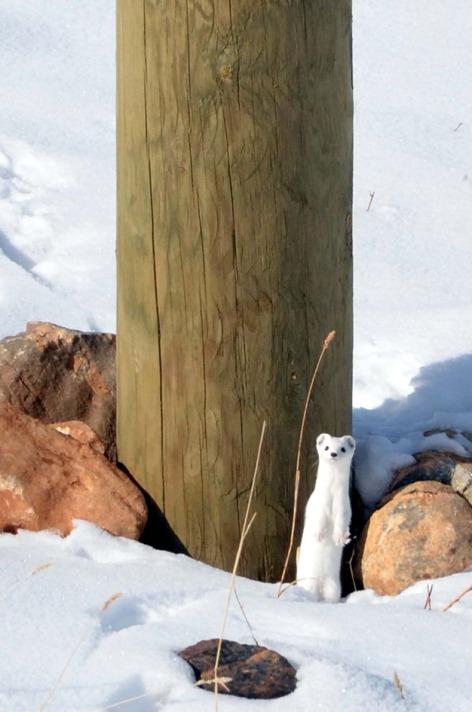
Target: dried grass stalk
column 324, row 349
column 457, row 598
column 57, row 684
column 244, row 532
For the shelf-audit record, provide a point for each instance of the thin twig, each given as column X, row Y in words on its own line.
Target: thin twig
column 244, row 532
column 251, row 630
column 281, row 591
column 15, row 586
column 457, row 599
column 114, row 705
column 458, row 126
column 372, row 194
column 215, row 679
column 427, row 603
column 324, row 348
column 351, row 569
column 56, row 685
column 43, row 567
column 110, row 600
column 398, row 685
column 295, row 582
column 221, row 681
column 292, row 530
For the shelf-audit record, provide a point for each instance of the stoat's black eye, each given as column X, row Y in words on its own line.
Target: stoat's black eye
column 343, row 449
column 327, row 447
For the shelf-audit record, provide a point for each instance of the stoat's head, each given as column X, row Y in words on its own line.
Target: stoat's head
column 335, row 449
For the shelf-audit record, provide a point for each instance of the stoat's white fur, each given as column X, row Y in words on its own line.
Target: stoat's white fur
column 327, row 519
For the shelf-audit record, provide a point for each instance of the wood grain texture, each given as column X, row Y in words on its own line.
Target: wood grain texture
column 234, row 256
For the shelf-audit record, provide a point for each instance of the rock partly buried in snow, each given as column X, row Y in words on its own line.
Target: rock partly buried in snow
column 439, row 467
column 249, row 670
column 80, row 431
column 56, row 374
column 48, row 479
column 421, row 531
column 462, row 480
column 451, row 433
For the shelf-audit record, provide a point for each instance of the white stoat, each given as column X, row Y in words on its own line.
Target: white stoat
column 327, row 519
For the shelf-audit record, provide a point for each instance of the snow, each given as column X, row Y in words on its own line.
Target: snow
column 413, row 147
column 412, row 293
column 377, row 458
column 392, row 432
column 412, row 373
column 346, row 655
column 57, row 164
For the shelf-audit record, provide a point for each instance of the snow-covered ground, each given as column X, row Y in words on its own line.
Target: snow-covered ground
column 57, row 164
column 413, row 148
column 412, row 248
column 413, row 371
column 346, row 654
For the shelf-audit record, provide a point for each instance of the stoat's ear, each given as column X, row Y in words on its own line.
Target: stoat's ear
column 350, row 441
column 321, row 438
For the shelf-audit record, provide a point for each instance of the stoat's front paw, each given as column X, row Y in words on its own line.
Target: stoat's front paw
column 340, row 537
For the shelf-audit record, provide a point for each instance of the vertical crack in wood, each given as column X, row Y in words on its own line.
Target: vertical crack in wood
column 238, row 374
column 196, row 202
column 153, row 247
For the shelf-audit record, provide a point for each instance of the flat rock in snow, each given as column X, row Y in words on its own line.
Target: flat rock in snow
column 250, row 671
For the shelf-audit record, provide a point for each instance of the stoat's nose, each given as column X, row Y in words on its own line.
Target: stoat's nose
column 334, row 454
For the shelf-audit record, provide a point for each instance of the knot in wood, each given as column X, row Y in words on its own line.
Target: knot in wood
column 226, row 72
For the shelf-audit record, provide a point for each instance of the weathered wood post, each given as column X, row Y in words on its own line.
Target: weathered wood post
column 234, row 255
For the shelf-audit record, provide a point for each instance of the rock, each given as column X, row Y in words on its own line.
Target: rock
column 81, row 432
column 420, row 532
column 450, row 432
column 48, row 479
column 430, row 465
column 462, row 480
column 56, row 375
column 255, row 672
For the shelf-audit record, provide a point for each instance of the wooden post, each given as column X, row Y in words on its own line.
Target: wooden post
column 234, row 256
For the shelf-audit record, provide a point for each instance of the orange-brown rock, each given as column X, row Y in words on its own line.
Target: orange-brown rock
column 57, row 374
column 80, row 431
column 48, row 479
column 421, row 531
